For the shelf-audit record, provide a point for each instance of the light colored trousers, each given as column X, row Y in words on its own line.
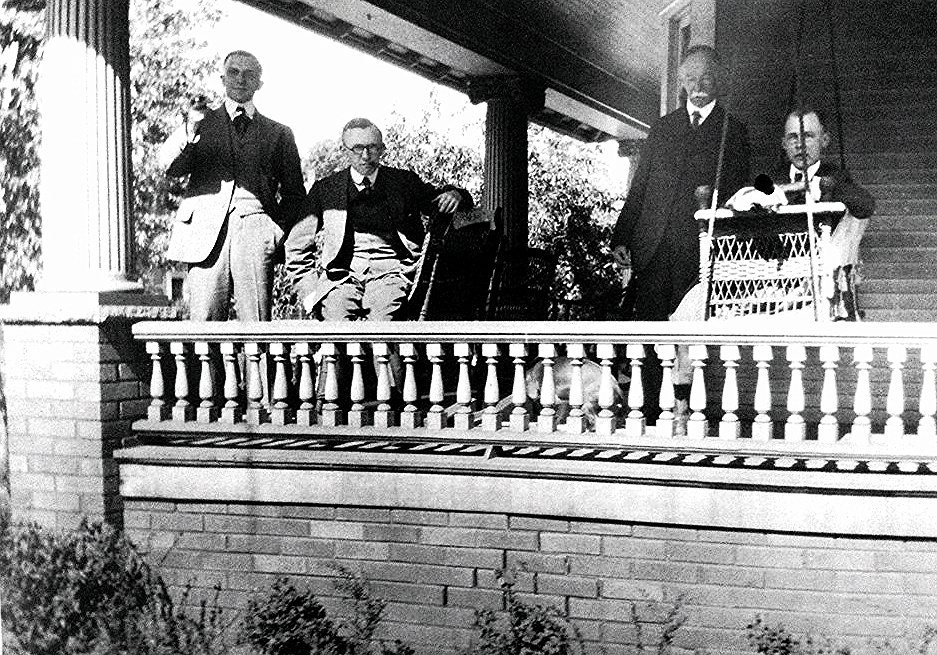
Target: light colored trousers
column 241, row 263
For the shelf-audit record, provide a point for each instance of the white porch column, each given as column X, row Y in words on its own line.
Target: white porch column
column 74, row 373
column 84, row 100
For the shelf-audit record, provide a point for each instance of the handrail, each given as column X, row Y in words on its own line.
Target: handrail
column 775, row 333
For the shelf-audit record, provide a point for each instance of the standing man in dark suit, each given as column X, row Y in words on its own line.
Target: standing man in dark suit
column 353, row 255
column 656, row 234
column 244, row 192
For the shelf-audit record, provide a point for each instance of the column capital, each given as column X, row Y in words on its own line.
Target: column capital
column 525, row 91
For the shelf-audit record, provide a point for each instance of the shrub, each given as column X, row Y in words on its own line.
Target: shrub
column 776, row 640
column 90, row 590
column 670, row 619
column 291, row 622
column 523, row 628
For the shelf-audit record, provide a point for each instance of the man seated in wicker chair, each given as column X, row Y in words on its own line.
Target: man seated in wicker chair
column 804, row 141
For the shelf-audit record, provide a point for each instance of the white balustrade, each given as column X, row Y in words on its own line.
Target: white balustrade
column 307, row 378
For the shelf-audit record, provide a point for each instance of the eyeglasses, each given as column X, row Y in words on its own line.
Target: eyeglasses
column 246, row 73
column 358, row 150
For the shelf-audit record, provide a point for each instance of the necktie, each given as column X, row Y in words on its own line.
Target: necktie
column 798, row 177
column 696, row 119
column 241, row 120
column 365, row 186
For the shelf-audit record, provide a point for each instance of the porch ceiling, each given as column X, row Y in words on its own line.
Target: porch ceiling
column 599, row 59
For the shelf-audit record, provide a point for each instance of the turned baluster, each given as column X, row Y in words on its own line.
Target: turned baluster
column 763, row 426
column 828, row 430
column 546, row 420
column 927, row 405
column 462, row 419
column 436, row 416
column 231, row 412
column 383, row 415
column 729, row 426
column 491, row 419
column 666, row 353
column 358, row 416
column 635, row 422
column 410, row 417
column 280, row 412
column 697, row 427
column 894, row 404
column 331, row 412
column 862, row 402
column 182, row 410
column 795, row 429
column 158, row 409
column 575, row 422
column 520, row 420
column 206, row 411
column 306, row 389
column 255, row 389
column 605, row 423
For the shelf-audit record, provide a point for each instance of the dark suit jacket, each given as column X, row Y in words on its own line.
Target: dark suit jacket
column 674, row 161
column 265, row 162
column 314, row 243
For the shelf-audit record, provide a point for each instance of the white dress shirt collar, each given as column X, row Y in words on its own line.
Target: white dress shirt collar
column 812, row 177
column 704, row 112
column 811, row 171
column 231, row 106
column 358, row 178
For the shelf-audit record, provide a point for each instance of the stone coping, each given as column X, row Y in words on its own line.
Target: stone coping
column 85, row 308
column 808, row 502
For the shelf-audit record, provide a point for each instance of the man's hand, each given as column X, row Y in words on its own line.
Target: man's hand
column 448, row 201
column 193, row 120
column 623, row 258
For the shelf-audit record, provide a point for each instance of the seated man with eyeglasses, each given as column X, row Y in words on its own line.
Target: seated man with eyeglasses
column 354, row 254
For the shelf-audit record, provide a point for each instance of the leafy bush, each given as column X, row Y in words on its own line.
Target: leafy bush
column 90, row 590
column 291, row 622
column 777, row 640
column 523, row 628
column 670, row 617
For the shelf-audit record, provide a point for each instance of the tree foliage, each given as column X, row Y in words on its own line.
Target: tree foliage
column 571, row 215
column 20, row 52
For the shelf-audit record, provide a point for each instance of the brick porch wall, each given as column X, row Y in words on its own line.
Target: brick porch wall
column 436, row 567
column 72, row 391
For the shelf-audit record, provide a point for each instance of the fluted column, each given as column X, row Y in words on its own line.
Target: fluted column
column 510, row 101
column 85, row 190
